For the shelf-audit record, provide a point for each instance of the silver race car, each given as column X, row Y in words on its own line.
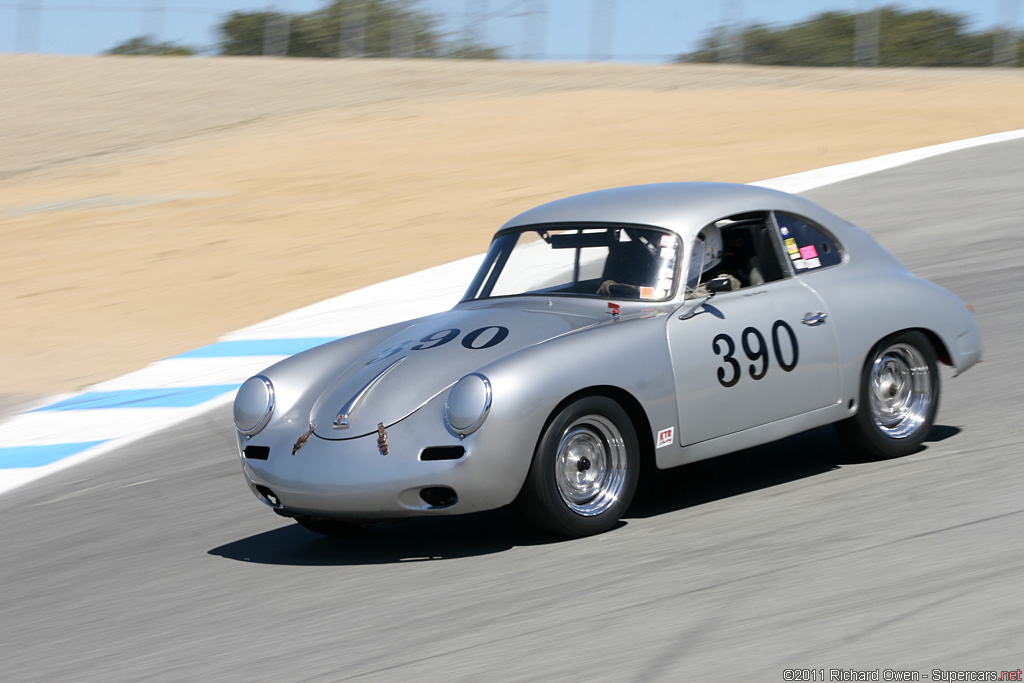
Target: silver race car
column 656, row 324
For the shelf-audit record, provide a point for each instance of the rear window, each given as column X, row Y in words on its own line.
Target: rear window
column 808, row 245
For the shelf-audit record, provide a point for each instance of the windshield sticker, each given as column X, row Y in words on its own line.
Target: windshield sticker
column 668, row 241
column 813, row 262
column 794, row 251
column 799, row 264
column 668, row 253
column 665, row 437
column 808, row 252
column 647, row 292
column 665, row 284
column 785, row 231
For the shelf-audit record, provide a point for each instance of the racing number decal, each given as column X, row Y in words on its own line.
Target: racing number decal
column 761, row 352
column 469, row 341
column 480, row 338
column 436, row 339
column 728, row 359
column 756, row 349
column 389, row 351
column 780, row 324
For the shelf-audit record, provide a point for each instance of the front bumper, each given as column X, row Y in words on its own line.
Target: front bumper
column 352, row 479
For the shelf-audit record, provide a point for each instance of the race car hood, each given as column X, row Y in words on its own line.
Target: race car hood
column 414, row 365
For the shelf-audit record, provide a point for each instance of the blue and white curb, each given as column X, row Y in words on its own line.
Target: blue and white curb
column 73, row 428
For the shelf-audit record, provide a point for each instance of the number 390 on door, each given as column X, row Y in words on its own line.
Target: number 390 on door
column 756, row 349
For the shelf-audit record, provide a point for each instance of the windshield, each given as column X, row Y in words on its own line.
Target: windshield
column 620, row 262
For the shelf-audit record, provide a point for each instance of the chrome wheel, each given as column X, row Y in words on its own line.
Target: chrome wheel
column 591, row 465
column 584, row 471
column 900, row 390
column 899, row 398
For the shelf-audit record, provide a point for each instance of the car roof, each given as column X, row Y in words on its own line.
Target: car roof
column 684, row 208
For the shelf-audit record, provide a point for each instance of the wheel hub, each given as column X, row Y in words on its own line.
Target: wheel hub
column 590, row 466
column 900, row 390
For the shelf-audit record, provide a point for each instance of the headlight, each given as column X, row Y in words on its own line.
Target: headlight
column 468, row 403
column 254, row 403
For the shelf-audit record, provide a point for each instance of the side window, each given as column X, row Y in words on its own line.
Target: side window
column 740, row 248
column 808, row 245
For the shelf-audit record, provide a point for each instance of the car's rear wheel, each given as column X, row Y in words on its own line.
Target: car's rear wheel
column 335, row 528
column 584, row 471
column 899, row 398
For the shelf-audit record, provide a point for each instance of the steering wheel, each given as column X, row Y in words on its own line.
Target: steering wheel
column 606, row 288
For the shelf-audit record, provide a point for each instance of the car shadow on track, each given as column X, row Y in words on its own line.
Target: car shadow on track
column 414, row 540
column 797, row 457
column 419, row 540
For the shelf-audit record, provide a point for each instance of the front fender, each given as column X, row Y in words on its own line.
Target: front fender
column 530, row 384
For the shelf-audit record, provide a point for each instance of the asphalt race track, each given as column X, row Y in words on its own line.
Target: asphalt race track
column 155, row 563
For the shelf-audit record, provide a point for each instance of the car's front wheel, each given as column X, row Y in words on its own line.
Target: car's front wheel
column 899, row 397
column 584, row 471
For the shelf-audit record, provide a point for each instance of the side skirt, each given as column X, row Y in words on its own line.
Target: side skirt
column 755, row 436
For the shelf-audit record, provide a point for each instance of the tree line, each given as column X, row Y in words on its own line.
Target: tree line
column 342, row 28
column 888, row 37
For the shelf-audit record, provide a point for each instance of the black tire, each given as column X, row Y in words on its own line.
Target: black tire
column 899, row 398
column 585, row 470
column 335, row 528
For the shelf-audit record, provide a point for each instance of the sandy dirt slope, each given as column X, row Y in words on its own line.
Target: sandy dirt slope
column 148, row 205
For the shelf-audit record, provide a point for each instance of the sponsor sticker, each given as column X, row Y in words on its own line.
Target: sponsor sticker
column 794, row 251
column 647, row 292
column 808, row 252
column 665, row 437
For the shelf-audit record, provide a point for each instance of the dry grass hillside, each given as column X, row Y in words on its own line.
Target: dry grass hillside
column 148, row 205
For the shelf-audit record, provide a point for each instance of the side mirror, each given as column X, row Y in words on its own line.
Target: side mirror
column 720, row 284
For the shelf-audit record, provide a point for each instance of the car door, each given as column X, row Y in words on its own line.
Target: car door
column 750, row 357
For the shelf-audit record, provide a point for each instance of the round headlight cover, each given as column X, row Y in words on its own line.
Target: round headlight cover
column 254, row 404
column 468, row 403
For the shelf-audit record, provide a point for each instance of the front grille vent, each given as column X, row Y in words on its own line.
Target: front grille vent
column 442, row 453
column 257, row 452
column 439, row 496
column 268, row 496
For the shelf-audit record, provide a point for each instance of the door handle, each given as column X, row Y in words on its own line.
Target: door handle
column 813, row 319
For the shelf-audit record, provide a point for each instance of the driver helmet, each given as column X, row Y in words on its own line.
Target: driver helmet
column 709, row 243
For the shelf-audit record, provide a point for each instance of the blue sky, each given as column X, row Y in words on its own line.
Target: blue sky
column 640, row 30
